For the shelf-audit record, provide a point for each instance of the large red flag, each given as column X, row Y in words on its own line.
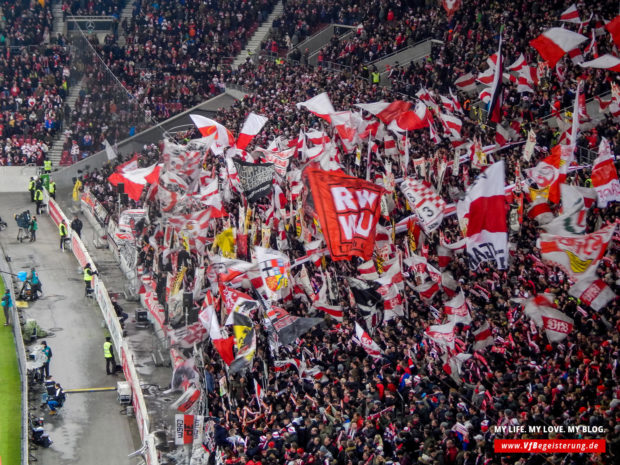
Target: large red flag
column 348, row 209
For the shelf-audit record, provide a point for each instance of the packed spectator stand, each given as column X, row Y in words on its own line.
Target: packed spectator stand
column 408, row 405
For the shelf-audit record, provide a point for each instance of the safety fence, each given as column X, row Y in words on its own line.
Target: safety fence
column 5, row 275
column 121, row 347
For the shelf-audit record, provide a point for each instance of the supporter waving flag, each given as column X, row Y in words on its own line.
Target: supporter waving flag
column 485, row 204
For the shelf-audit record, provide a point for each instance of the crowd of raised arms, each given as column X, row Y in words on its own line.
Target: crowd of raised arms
column 325, row 398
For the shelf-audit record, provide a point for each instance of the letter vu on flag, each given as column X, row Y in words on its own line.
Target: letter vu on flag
column 348, row 209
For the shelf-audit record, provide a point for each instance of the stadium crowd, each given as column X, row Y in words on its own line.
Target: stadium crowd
column 406, row 406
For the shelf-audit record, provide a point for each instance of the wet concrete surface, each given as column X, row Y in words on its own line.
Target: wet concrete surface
column 151, row 357
column 90, row 429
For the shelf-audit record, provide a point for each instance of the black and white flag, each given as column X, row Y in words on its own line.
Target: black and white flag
column 255, row 179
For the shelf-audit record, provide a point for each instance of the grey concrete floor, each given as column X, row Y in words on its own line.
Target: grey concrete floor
column 90, row 430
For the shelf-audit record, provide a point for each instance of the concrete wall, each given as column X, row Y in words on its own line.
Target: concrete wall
column 315, row 42
column 15, row 178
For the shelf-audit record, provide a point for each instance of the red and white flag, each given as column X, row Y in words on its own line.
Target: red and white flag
column 457, row 310
column 554, row 43
column 251, row 127
column 544, row 314
column 452, row 125
column 427, row 290
column 386, row 111
column 135, row 180
column 592, row 291
column 442, row 335
column 428, row 205
column 571, row 15
column 280, row 160
column 363, row 339
column 207, row 126
column 485, row 204
column 348, row 209
column 368, row 271
column 411, row 120
column 540, row 210
column 466, row 83
column 483, row 337
column 606, row 61
column 605, row 176
column 320, row 105
column 335, row 311
column 449, row 284
column 223, row 345
column 575, row 254
column 518, row 64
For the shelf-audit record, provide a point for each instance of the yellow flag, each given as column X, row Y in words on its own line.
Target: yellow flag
column 42, row 3
column 226, row 242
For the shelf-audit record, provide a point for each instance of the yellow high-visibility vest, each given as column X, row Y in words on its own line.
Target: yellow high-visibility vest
column 107, row 349
column 88, row 275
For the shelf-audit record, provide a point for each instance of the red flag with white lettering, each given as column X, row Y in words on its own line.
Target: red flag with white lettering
column 348, row 209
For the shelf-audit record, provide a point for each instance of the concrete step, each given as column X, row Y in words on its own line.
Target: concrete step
column 261, row 33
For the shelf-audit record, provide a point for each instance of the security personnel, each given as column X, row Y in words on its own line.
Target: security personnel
column 375, row 76
column 38, row 198
column 47, row 166
column 88, row 278
column 108, row 353
column 31, row 188
column 52, row 189
column 62, row 230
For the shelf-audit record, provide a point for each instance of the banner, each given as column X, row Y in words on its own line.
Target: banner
column 348, row 209
column 255, row 179
column 184, row 429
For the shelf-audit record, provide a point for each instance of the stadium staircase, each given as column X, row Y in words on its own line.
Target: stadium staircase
column 55, row 152
column 254, row 45
column 58, row 24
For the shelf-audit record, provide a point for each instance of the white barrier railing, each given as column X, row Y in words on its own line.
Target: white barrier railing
column 105, row 304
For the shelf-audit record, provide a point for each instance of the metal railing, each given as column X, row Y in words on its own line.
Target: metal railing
column 21, row 360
